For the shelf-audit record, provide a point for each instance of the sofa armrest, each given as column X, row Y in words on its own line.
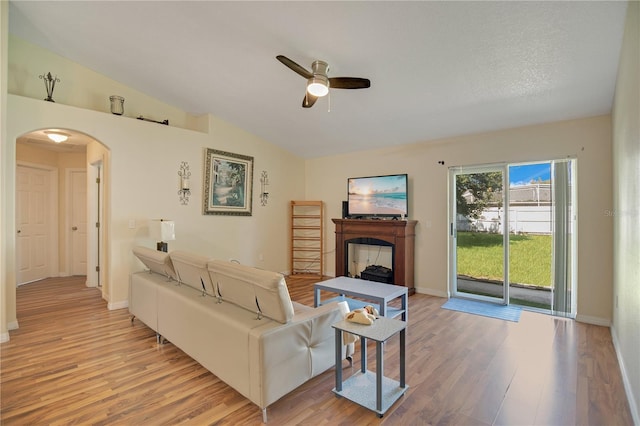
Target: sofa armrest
column 286, row 356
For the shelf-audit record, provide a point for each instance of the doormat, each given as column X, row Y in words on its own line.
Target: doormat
column 486, row 309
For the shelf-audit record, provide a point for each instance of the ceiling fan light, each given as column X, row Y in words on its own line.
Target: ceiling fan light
column 57, row 137
column 318, row 86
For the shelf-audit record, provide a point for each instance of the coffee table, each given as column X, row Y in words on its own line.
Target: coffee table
column 378, row 293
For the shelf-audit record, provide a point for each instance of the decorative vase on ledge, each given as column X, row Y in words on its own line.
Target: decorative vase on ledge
column 117, row 105
column 49, row 84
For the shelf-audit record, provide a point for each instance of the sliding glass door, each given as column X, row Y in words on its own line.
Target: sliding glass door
column 512, row 234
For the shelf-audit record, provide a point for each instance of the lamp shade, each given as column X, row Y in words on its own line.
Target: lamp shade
column 162, row 230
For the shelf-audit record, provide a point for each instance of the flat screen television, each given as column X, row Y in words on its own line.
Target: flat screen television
column 378, row 196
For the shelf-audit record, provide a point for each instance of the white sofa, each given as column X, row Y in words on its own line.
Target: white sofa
column 236, row 321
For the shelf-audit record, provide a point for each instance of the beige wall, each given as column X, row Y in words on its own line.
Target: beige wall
column 4, row 246
column 140, row 165
column 142, row 184
column 61, row 161
column 587, row 140
column 79, row 86
column 626, row 210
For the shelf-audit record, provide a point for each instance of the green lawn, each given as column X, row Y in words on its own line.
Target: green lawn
column 480, row 256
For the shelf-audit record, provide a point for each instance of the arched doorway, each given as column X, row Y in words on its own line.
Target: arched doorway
column 73, row 213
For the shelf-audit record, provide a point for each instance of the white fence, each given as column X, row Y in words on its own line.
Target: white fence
column 522, row 219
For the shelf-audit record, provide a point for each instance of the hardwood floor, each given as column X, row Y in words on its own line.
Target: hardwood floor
column 72, row 361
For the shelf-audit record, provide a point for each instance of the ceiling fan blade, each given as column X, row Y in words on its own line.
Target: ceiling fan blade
column 294, row 67
column 309, row 100
column 349, row 83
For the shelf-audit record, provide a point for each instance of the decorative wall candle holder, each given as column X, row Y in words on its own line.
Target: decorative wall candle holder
column 117, row 105
column 49, row 84
column 185, row 190
column 264, row 182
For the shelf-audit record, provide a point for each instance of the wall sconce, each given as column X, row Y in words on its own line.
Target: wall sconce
column 264, row 182
column 162, row 231
column 185, row 190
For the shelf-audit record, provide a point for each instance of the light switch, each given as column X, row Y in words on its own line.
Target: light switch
column 132, row 224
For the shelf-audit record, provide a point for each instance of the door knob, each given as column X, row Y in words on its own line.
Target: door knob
column 74, row 228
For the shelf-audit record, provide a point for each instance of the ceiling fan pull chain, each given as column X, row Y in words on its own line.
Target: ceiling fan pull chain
column 329, row 101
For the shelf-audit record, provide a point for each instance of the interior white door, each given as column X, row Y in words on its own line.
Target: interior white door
column 34, row 224
column 78, row 221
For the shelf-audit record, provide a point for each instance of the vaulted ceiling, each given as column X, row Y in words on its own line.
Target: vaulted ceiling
column 437, row 69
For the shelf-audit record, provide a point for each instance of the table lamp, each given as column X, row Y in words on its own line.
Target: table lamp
column 162, row 230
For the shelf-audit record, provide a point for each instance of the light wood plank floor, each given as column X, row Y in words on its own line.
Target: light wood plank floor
column 72, row 361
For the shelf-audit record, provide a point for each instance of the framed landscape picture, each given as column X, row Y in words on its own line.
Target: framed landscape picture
column 228, row 183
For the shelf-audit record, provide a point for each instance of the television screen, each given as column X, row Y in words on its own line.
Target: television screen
column 378, row 196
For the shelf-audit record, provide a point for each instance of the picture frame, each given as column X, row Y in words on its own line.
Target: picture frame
column 228, row 183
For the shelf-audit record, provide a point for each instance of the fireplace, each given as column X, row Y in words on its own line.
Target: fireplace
column 397, row 234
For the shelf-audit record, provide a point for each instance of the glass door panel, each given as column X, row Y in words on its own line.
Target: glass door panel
column 478, row 234
column 530, row 235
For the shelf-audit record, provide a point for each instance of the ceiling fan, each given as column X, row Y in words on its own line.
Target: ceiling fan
column 318, row 82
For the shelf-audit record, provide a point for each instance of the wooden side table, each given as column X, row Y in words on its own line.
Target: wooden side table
column 371, row 390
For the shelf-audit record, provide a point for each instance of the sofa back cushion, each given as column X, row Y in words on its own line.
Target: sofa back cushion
column 191, row 269
column 157, row 261
column 257, row 290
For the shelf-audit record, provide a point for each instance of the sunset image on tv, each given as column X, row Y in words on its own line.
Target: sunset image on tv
column 379, row 195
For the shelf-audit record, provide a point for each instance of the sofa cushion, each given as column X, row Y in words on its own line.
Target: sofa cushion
column 157, row 261
column 191, row 269
column 260, row 291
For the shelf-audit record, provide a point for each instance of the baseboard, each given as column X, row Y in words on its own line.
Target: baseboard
column 604, row 322
column 11, row 325
column 633, row 407
column 431, row 292
column 118, row 305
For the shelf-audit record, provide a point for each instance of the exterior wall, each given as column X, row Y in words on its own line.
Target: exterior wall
column 587, row 140
column 626, row 210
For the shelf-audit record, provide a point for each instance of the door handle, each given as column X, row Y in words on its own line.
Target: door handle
column 74, row 228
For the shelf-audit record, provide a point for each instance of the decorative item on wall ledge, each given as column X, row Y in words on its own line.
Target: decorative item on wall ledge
column 228, row 183
column 264, row 182
column 162, row 230
column 165, row 122
column 185, row 190
column 117, row 104
column 49, row 84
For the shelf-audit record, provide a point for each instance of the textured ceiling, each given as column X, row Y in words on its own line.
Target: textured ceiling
column 437, row 69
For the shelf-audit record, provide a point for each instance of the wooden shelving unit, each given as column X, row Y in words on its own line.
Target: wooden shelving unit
column 307, row 238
